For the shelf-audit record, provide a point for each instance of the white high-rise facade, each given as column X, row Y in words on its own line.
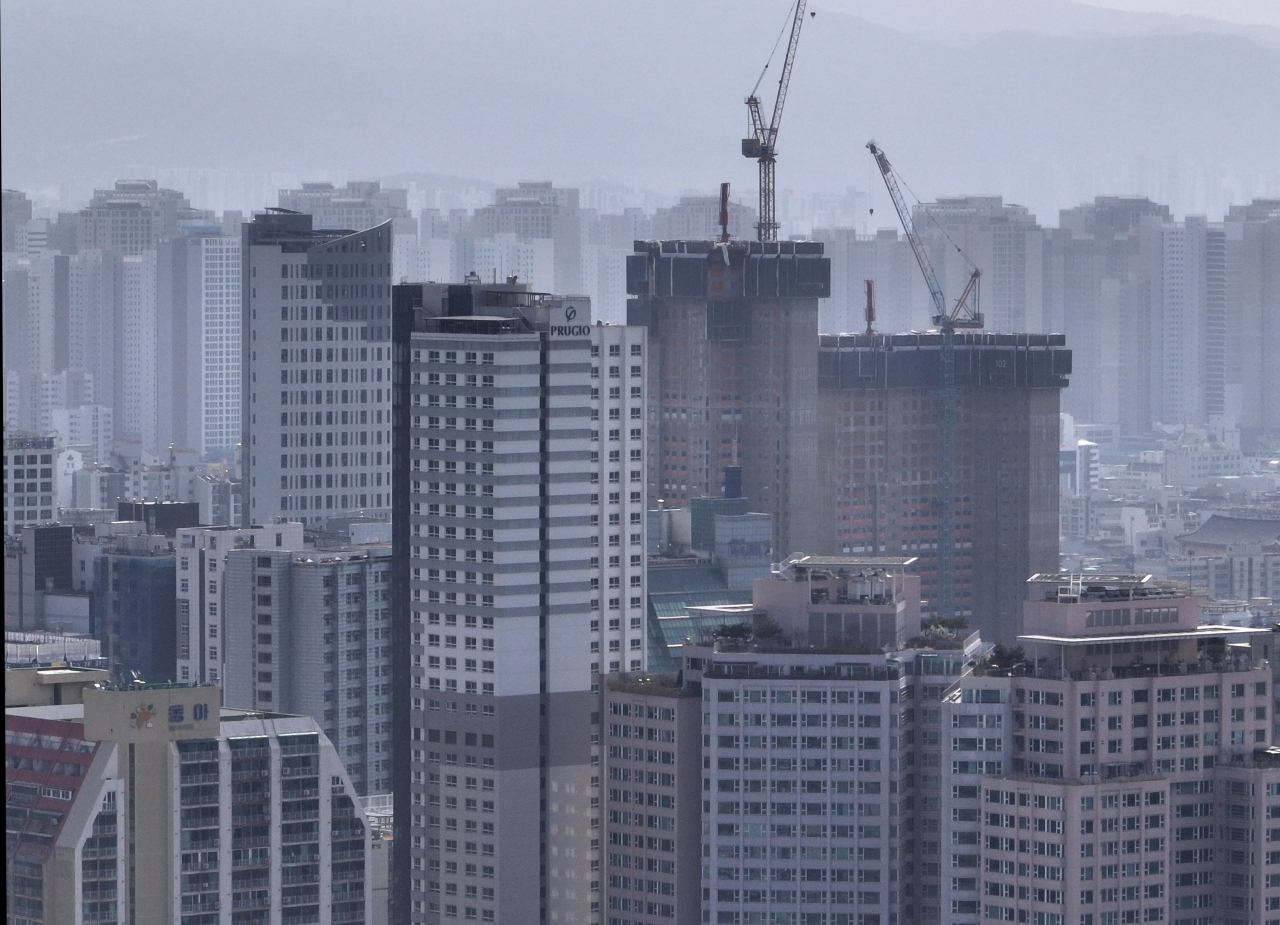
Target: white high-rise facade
column 140, row 346
column 316, row 364
column 519, row 532
column 202, row 593
column 220, row 332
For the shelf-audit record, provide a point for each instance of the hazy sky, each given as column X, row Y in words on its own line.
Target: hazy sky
column 1046, row 102
column 1242, row 11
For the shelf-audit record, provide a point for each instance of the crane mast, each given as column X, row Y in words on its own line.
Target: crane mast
column 762, row 145
column 964, row 314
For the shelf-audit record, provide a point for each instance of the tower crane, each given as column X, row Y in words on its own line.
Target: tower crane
column 964, row 314
column 762, row 145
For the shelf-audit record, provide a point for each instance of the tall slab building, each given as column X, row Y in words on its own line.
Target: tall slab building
column 733, row 330
column 316, row 361
column 518, row 581
column 879, row 467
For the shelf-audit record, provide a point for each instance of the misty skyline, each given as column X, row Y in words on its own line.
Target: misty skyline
column 1037, row 117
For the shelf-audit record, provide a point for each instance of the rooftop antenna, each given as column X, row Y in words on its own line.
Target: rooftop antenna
column 724, row 213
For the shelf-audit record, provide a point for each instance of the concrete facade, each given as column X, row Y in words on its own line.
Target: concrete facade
column 732, row 331
column 519, row 532
column 316, row 419
column 153, row 804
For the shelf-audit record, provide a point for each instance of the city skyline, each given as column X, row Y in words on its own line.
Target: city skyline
column 1190, row 133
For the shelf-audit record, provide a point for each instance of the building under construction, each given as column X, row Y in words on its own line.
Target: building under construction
column 733, row 375
column 879, row 468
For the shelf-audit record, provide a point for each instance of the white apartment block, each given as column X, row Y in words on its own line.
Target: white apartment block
column 90, row 427
column 220, row 334
column 202, row 592
column 520, row 523
column 139, row 348
column 804, row 813
column 310, row 632
column 316, row 400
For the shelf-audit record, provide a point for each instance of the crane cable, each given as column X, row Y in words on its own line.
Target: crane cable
column 929, row 212
column 790, row 17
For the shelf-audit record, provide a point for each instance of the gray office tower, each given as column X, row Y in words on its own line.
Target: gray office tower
column 316, row 394
column 733, row 331
column 518, row 582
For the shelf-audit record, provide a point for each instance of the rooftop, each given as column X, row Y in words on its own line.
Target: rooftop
column 1234, row 531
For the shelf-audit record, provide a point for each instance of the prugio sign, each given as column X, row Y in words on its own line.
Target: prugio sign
column 570, row 321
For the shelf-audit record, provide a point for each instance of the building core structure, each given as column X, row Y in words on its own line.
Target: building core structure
column 733, row 329
column 880, row 469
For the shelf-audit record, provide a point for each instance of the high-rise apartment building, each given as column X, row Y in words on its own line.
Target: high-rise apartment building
column 199, row 329
column 309, row 632
column 733, row 331
column 360, row 204
column 698, row 218
column 1002, row 239
column 153, row 804
column 1253, row 325
column 536, row 211
column 519, row 533
column 315, row 363
column 1138, row 783
column 203, row 604
column 134, row 217
column 651, row 861
column 880, row 469
column 821, row 787
column 139, row 349
column 1188, row 321
column 901, row 300
column 363, row 204
column 17, row 211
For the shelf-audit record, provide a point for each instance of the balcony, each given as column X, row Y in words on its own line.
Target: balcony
column 252, row 841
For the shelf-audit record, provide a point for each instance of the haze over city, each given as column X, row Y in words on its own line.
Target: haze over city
column 462, row 464
column 1046, row 103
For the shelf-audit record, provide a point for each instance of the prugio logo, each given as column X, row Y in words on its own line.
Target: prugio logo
column 568, row 328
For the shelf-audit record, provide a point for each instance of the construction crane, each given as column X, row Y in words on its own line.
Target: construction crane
column 763, row 143
column 964, row 314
